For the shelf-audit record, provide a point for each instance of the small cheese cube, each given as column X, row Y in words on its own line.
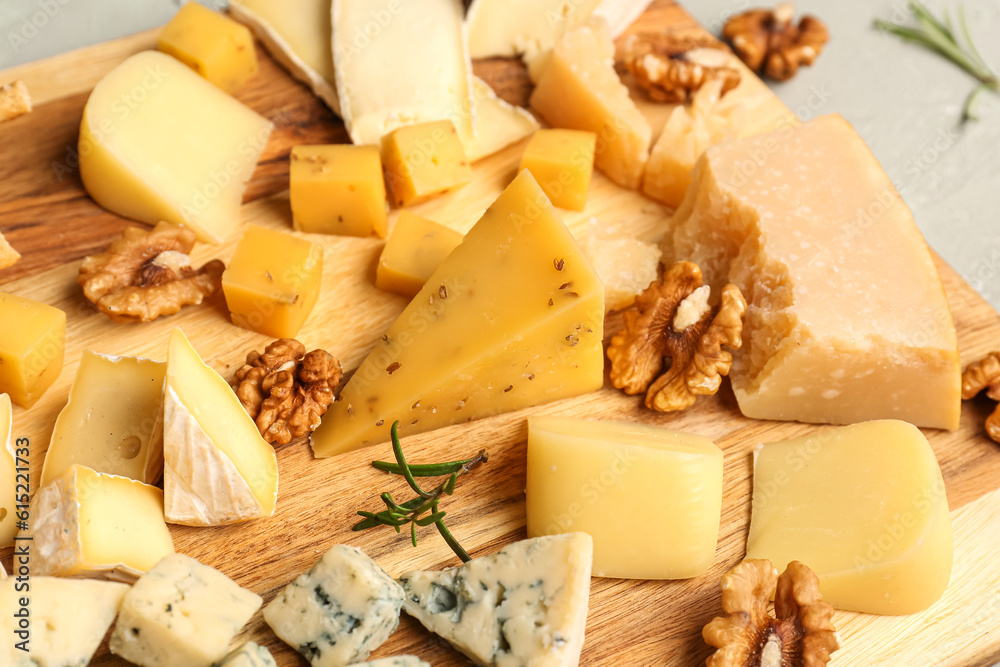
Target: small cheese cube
column 602, row 477
column 32, row 343
column 181, row 614
column 86, row 523
column 339, row 611
column 273, row 282
column 423, row 161
column 864, row 506
column 215, row 46
column 338, row 189
column 562, row 161
column 414, row 250
column 249, row 655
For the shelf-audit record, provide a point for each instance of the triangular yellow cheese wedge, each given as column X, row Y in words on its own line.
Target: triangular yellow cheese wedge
column 217, row 467
column 514, row 317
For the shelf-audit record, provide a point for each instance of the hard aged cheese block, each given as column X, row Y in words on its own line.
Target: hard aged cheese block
column 847, row 319
column 297, row 34
column 417, row 54
column 338, row 189
column 397, row 661
column 625, row 264
column 112, row 421
column 67, row 620
column 524, row 605
column 422, row 161
column 273, row 281
column 158, row 142
column 32, row 344
column 602, row 478
column 91, row 524
column 8, row 475
column 181, row 614
column 414, row 250
column 217, row 467
column 579, row 89
column 249, row 655
column 338, row 612
column 562, row 162
column 496, row 124
column 215, row 46
column 864, row 507
column 513, row 318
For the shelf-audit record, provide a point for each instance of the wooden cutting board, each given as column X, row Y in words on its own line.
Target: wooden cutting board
column 46, row 214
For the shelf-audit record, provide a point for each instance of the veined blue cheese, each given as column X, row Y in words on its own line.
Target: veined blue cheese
column 525, row 605
column 395, row 661
column 249, row 655
column 181, row 614
column 338, row 612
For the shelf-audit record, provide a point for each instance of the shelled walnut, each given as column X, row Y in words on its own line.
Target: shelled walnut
column 673, row 320
column 671, row 68
column 769, row 42
column 148, row 273
column 801, row 635
column 285, row 390
column 985, row 374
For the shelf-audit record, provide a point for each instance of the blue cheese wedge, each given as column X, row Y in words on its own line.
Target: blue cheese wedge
column 396, row 661
column 524, row 605
column 249, row 655
column 338, row 612
column 181, row 614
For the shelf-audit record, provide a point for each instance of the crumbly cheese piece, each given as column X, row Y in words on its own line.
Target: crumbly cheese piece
column 14, row 100
column 68, row 619
column 32, row 350
column 524, row 605
column 217, row 467
column 249, row 655
column 112, row 421
column 297, row 34
column 579, row 89
column 865, row 507
column 496, row 124
column 625, row 264
column 396, row 661
column 181, row 614
column 847, row 319
column 8, row 474
column 158, row 142
column 8, row 255
column 620, row 14
column 415, row 51
column 89, row 524
column 338, row 612
column 514, row 317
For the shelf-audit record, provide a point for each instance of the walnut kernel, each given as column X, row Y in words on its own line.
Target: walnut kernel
column 673, row 319
column 769, row 42
column 671, row 68
column 985, row 374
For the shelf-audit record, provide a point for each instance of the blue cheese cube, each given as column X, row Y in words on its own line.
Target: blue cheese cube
column 339, row 611
column 249, row 655
column 395, row 661
column 181, row 614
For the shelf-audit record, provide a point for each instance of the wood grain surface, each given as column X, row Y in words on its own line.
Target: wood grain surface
column 46, row 214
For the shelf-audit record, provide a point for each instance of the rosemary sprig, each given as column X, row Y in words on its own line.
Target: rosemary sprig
column 414, row 512
column 939, row 36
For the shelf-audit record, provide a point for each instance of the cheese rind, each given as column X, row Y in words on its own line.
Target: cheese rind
column 248, row 655
column 158, row 142
column 864, row 506
column 847, row 319
column 181, row 614
column 496, row 124
column 601, row 478
column 416, row 247
column 32, row 350
column 112, row 421
column 524, row 605
column 339, row 611
column 213, row 45
column 513, row 317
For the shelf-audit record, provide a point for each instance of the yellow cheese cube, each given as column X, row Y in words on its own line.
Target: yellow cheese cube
column 864, row 507
column 603, row 478
column 562, row 162
column 32, row 343
column 423, row 161
column 272, row 282
column 338, row 189
column 215, row 46
column 413, row 251
column 8, row 474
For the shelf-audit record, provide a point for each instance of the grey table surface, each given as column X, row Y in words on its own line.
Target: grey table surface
column 905, row 102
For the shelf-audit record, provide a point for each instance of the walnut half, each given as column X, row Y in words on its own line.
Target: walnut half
column 147, row 273
column 985, row 374
column 673, row 320
column 672, row 69
column 768, row 41
column 801, row 634
column 285, row 390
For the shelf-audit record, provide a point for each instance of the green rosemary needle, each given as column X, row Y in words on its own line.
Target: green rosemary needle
column 939, row 36
column 415, row 512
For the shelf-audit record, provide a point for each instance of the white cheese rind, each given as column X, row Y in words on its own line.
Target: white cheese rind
column 181, row 614
column 249, row 655
column 497, row 123
column 525, row 605
column 339, row 611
